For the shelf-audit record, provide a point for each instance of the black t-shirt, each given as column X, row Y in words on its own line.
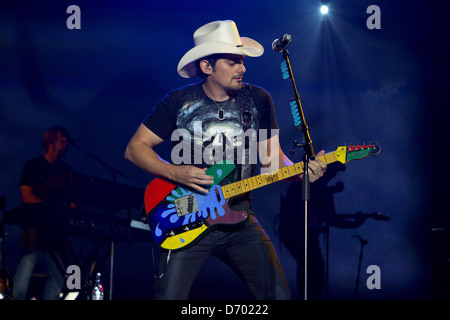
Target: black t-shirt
column 48, row 179
column 191, row 119
column 204, row 132
column 50, row 182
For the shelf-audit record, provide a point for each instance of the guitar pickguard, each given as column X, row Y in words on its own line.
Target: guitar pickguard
column 206, row 205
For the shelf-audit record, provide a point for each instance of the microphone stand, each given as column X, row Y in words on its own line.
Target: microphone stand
column 114, row 172
column 308, row 155
column 363, row 243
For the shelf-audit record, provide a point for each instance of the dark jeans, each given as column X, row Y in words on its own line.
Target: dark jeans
column 246, row 249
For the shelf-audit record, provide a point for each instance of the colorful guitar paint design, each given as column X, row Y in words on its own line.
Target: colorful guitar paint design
column 178, row 216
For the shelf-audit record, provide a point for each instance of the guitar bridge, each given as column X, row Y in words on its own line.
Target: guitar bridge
column 186, row 205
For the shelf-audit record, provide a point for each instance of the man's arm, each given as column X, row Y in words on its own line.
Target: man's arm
column 140, row 152
column 28, row 196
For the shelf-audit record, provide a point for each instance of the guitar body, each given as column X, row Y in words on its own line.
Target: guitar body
column 178, row 217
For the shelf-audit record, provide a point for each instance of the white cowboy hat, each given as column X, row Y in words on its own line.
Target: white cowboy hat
column 217, row 37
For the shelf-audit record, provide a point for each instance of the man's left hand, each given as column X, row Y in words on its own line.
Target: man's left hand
column 316, row 168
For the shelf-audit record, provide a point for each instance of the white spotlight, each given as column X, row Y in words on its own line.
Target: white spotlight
column 324, row 9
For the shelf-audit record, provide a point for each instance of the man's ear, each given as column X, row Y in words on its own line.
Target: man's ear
column 205, row 66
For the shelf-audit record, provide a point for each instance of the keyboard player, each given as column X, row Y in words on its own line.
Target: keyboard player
column 42, row 239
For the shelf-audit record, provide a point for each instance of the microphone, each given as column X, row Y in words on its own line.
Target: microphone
column 281, row 43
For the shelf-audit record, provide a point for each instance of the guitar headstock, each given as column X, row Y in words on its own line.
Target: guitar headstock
column 348, row 153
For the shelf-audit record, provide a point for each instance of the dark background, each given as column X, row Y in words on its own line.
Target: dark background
column 356, row 85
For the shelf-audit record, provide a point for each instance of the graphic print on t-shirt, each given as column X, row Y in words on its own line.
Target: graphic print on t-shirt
column 211, row 139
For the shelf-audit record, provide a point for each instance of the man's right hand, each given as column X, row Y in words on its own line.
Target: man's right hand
column 192, row 177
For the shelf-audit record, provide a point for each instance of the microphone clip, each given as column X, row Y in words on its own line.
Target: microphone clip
column 280, row 44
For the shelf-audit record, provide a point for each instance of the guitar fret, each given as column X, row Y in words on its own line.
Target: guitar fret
column 254, row 182
column 249, row 184
column 291, row 171
column 263, row 179
column 258, row 179
column 244, row 186
column 247, row 187
column 299, row 168
column 285, row 172
column 235, row 191
column 241, row 187
column 280, row 175
column 228, row 190
column 275, row 177
column 225, row 191
column 232, row 190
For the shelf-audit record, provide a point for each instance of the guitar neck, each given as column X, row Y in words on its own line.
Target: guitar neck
column 240, row 187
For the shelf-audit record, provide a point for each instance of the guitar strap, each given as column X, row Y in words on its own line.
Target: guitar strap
column 245, row 102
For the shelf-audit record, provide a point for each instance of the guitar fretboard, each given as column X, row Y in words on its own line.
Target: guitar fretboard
column 249, row 184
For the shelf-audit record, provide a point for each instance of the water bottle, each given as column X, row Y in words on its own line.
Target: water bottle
column 97, row 291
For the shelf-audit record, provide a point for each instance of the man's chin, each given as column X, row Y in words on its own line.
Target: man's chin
column 237, row 86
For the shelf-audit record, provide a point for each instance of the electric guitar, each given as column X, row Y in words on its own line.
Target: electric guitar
column 179, row 216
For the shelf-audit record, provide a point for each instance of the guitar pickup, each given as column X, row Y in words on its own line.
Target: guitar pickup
column 186, row 205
